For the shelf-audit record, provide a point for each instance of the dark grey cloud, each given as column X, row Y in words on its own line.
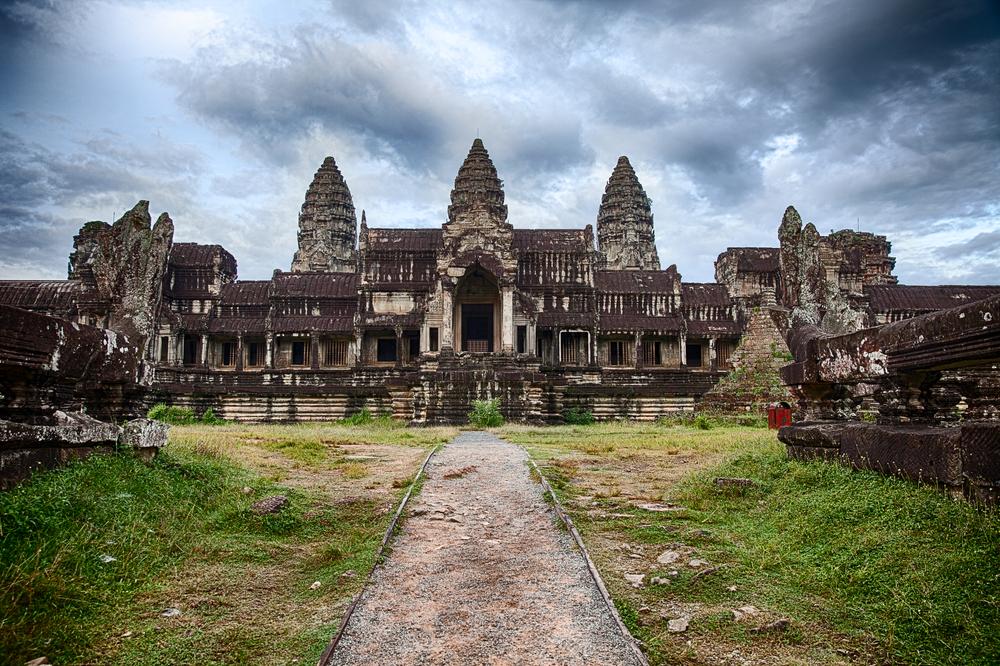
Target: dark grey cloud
column 980, row 246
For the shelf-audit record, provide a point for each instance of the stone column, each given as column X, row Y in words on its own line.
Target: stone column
column 314, row 350
column 682, row 345
column 179, row 350
column 399, row 347
column 507, row 319
column 359, row 350
column 557, row 336
column 447, row 341
column 269, row 351
column 638, row 350
column 713, row 363
column 204, row 351
column 239, row 353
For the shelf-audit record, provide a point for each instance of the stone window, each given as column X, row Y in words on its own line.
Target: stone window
column 385, row 350
column 433, row 341
column 617, row 352
column 652, row 352
column 228, row 357
column 334, row 352
column 414, row 346
column 298, row 352
column 522, row 339
column 255, row 354
column 164, row 348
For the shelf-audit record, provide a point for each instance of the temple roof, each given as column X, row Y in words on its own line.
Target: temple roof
column 629, row 282
column 705, row 293
column 755, row 259
column 316, row 285
column 884, row 298
column 246, row 292
column 404, row 240
column 198, row 255
column 477, row 185
column 551, row 240
column 41, row 294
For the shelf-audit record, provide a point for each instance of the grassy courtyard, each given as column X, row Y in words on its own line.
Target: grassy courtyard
column 820, row 563
column 811, row 563
column 94, row 557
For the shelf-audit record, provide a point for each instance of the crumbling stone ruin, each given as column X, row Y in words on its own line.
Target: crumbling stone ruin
column 918, row 398
column 65, row 382
column 419, row 322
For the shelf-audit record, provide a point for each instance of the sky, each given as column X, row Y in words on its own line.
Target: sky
column 882, row 115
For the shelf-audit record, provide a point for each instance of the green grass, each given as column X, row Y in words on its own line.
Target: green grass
column 184, row 520
column 877, row 567
column 865, row 554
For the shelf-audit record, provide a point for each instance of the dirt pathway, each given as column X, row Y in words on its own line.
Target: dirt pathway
column 482, row 574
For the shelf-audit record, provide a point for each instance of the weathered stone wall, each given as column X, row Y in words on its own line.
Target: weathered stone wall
column 934, row 382
column 55, row 375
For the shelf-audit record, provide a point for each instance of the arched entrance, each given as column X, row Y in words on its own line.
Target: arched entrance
column 477, row 311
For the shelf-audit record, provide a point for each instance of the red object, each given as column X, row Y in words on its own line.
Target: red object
column 779, row 414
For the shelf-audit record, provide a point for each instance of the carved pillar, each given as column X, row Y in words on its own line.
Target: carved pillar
column 204, row 351
column 359, row 349
column 179, row 350
column 399, row 347
column 314, row 350
column 507, row 319
column 269, row 351
column 447, row 320
column 638, row 350
column 557, row 337
column 239, row 353
column 682, row 338
column 711, row 354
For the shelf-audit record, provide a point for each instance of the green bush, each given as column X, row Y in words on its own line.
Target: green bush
column 172, row 415
column 209, row 418
column 702, row 422
column 578, row 416
column 486, row 413
column 363, row 417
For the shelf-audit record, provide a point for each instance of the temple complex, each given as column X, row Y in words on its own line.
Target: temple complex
column 420, row 322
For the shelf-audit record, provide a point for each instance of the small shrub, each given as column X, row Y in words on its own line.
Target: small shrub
column 364, row 417
column 486, row 413
column 209, row 418
column 172, row 415
column 702, row 422
column 578, row 416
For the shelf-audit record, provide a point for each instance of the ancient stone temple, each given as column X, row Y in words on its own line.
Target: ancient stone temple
column 419, row 322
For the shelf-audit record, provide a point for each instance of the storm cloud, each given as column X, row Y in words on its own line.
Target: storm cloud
column 879, row 115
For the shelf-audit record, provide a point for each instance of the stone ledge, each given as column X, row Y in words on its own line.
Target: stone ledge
column 964, row 458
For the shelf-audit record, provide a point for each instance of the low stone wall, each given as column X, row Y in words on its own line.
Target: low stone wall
column 932, row 384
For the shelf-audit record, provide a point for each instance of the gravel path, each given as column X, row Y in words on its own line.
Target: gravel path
column 482, row 574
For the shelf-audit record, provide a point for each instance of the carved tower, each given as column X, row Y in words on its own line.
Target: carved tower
column 625, row 222
column 328, row 224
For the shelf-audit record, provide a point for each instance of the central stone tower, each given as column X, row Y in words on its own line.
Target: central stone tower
column 328, row 225
column 625, row 222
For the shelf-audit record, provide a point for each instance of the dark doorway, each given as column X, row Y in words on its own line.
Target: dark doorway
column 693, row 355
column 477, row 327
column 191, row 350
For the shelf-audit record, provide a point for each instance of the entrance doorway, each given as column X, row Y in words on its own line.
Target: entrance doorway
column 477, row 327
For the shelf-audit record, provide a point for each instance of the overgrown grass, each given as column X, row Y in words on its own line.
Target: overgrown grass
column 867, row 555
column 865, row 566
column 486, row 414
column 95, row 550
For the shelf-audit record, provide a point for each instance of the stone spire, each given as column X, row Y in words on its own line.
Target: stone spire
column 477, row 186
column 327, row 224
column 625, row 222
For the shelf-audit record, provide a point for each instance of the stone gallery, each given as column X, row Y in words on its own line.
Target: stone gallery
column 420, row 322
